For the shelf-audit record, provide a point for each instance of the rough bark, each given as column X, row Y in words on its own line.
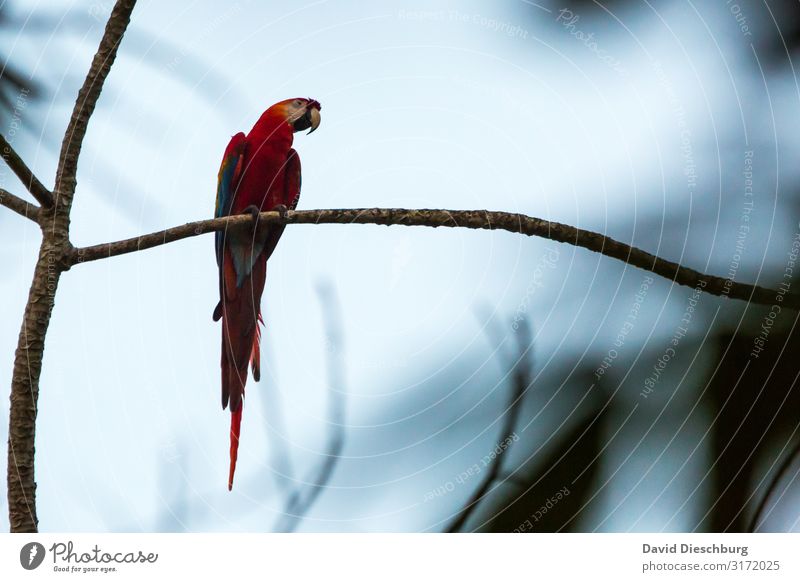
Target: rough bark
column 53, row 254
column 477, row 219
column 25, row 392
column 29, row 180
column 19, row 205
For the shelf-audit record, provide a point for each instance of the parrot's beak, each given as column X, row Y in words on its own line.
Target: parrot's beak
column 314, row 118
column 310, row 119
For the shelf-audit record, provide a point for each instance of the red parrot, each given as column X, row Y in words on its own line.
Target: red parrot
column 260, row 171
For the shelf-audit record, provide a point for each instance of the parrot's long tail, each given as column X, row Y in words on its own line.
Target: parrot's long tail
column 236, row 429
column 241, row 338
column 236, row 415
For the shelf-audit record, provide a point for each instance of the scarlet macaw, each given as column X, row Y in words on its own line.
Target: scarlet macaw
column 259, row 172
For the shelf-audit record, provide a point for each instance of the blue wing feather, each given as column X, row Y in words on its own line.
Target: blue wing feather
column 227, row 180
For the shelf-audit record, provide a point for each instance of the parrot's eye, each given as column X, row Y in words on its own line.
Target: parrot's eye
column 297, row 103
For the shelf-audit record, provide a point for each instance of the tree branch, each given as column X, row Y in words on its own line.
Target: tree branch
column 19, row 205
column 31, row 182
column 87, row 100
column 520, row 369
column 54, row 250
column 476, row 219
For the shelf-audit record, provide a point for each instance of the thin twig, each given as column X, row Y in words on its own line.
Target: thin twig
column 521, row 381
column 773, row 485
column 299, row 503
column 476, row 219
column 29, row 180
column 19, row 205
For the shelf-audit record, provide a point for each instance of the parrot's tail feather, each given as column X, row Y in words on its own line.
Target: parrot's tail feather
column 240, row 341
column 255, row 356
column 236, row 426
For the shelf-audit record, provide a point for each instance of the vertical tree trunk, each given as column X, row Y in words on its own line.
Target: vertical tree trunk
column 53, row 260
column 25, row 393
column 28, row 357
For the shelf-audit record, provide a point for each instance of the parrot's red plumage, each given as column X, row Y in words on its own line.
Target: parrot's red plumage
column 259, row 172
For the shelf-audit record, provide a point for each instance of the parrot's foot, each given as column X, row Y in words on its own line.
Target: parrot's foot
column 281, row 210
column 254, row 212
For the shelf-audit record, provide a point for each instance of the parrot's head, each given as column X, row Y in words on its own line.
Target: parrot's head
column 300, row 113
